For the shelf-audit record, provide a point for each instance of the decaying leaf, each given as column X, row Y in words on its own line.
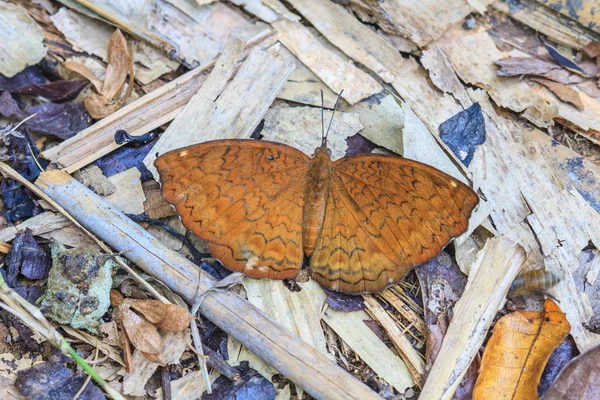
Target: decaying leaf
column 579, row 380
column 514, row 66
column 27, row 258
column 463, row 132
column 78, row 287
column 52, row 380
column 563, row 92
column 592, row 49
column 517, row 352
column 563, row 60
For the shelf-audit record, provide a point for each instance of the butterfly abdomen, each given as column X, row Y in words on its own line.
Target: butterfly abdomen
column 315, row 200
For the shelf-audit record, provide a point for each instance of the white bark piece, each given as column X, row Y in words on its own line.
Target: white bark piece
column 21, row 38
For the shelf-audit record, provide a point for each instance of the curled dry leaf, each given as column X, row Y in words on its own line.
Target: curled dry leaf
column 563, row 92
column 99, row 107
column 579, row 380
column 120, row 63
column 84, row 71
column 517, row 352
column 143, row 335
column 168, row 317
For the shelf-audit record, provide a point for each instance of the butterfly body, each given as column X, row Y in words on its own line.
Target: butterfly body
column 364, row 220
column 315, row 198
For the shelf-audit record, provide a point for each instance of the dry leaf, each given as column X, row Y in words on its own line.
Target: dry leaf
column 512, row 66
column 176, row 318
column 592, row 49
column 143, row 335
column 152, row 310
column 118, row 66
column 563, row 92
column 116, row 298
column 84, row 71
column 517, row 352
column 578, row 380
column 99, row 107
column 168, row 317
column 155, row 358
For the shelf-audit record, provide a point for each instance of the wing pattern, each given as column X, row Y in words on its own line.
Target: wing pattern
column 245, row 198
column 386, row 215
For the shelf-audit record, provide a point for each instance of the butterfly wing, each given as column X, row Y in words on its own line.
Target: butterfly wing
column 384, row 216
column 245, row 197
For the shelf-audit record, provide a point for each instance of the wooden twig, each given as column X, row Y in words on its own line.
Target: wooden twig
column 295, row 359
column 496, row 267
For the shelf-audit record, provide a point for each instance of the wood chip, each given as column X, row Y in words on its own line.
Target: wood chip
column 330, row 68
column 383, row 121
column 301, row 127
column 351, row 36
column 419, row 21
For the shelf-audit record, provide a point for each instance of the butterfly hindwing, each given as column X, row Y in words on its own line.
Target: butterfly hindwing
column 398, row 213
column 245, row 198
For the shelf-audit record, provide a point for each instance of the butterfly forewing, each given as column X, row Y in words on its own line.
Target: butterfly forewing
column 245, row 198
column 404, row 213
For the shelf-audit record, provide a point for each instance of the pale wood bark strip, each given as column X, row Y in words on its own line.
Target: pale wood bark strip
column 330, row 68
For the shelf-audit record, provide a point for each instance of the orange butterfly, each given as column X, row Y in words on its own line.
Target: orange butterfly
column 364, row 220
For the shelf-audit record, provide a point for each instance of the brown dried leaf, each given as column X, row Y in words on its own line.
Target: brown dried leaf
column 153, row 310
column 84, row 71
column 99, row 107
column 156, row 358
column 176, row 318
column 579, row 380
column 116, row 298
column 118, row 66
column 592, row 49
column 143, row 335
column 563, row 92
column 512, row 66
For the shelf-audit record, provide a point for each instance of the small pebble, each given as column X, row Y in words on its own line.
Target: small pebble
column 469, row 23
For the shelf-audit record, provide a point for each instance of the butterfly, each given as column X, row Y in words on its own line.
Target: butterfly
column 362, row 221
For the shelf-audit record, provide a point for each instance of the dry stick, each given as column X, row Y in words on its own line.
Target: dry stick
column 292, row 357
column 8, row 171
column 33, row 318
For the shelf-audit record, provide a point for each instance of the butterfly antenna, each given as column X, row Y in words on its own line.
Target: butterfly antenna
column 322, row 119
column 332, row 114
